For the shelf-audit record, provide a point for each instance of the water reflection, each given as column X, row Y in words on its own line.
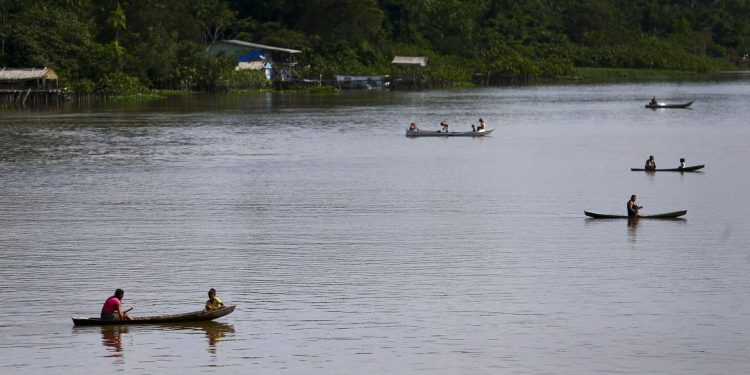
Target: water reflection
column 112, row 340
column 214, row 331
column 632, row 229
column 112, row 336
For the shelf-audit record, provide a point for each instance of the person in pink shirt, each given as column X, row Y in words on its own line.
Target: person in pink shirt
column 113, row 306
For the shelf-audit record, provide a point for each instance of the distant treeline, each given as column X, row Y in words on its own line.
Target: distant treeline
column 133, row 45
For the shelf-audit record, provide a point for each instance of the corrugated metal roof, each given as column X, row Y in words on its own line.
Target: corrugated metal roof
column 9, row 74
column 259, row 46
column 409, row 60
column 253, row 65
column 359, row 78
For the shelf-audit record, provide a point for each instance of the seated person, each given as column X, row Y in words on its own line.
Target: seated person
column 682, row 163
column 481, row 126
column 633, row 208
column 413, row 127
column 653, row 102
column 650, row 163
column 473, row 128
column 112, row 309
column 213, row 302
column 444, row 126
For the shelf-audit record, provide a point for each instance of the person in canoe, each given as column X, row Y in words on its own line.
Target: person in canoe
column 413, row 127
column 444, row 126
column 682, row 163
column 112, row 309
column 650, row 163
column 481, row 126
column 213, row 302
column 633, row 208
column 653, row 102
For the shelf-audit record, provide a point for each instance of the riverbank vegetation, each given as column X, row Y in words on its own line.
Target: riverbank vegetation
column 134, row 46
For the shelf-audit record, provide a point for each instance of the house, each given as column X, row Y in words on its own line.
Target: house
column 409, row 61
column 409, row 72
column 28, row 78
column 277, row 63
column 361, row 82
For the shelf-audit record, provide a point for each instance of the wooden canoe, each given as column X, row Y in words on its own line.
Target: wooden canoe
column 437, row 133
column 691, row 168
column 668, row 215
column 662, row 105
column 198, row 316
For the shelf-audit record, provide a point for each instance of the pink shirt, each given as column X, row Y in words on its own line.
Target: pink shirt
column 111, row 305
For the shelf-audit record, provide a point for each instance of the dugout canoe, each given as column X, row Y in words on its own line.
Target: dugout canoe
column 437, row 133
column 664, row 105
column 197, row 316
column 668, row 215
column 691, row 168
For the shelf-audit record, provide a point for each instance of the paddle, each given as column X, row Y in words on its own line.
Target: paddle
column 125, row 316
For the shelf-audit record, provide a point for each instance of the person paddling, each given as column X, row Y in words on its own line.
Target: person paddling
column 113, row 306
column 633, row 208
column 444, row 126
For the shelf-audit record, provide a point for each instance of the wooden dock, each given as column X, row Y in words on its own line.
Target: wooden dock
column 20, row 98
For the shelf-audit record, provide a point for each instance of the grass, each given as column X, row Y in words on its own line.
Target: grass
column 625, row 74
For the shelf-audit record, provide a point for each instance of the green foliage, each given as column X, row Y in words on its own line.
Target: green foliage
column 131, row 45
column 451, row 68
column 627, row 74
column 80, row 86
column 245, row 79
column 121, row 83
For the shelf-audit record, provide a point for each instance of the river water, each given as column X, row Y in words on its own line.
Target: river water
column 350, row 248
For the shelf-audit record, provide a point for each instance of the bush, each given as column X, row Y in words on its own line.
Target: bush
column 119, row 83
column 246, row 79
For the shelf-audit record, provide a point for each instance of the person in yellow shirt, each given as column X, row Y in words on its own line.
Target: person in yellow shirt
column 213, row 302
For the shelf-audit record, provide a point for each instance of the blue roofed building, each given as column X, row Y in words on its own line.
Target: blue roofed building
column 277, row 63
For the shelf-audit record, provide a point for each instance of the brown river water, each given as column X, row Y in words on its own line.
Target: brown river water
column 350, row 248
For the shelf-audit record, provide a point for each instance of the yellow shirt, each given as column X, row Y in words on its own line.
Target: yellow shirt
column 214, row 304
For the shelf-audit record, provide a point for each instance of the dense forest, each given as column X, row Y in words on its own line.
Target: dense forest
column 130, row 44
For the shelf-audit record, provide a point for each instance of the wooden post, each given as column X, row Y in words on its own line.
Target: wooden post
column 23, row 103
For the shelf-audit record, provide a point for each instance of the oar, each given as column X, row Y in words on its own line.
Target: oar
column 124, row 314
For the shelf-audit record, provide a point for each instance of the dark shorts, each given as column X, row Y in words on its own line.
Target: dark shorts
column 108, row 316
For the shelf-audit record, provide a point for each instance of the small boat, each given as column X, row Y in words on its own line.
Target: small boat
column 198, row 316
column 438, row 133
column 668, row 215
column 663, row 105
column 691, row 168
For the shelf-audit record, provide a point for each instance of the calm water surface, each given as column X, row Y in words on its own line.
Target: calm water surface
column 349, row 248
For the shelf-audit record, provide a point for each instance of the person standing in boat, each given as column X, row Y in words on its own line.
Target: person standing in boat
column 213, row 302
column 444, row 126
column 113, row 305
column 650, row 163
column 682, row 163
column 633, row 208
column 481, row 126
